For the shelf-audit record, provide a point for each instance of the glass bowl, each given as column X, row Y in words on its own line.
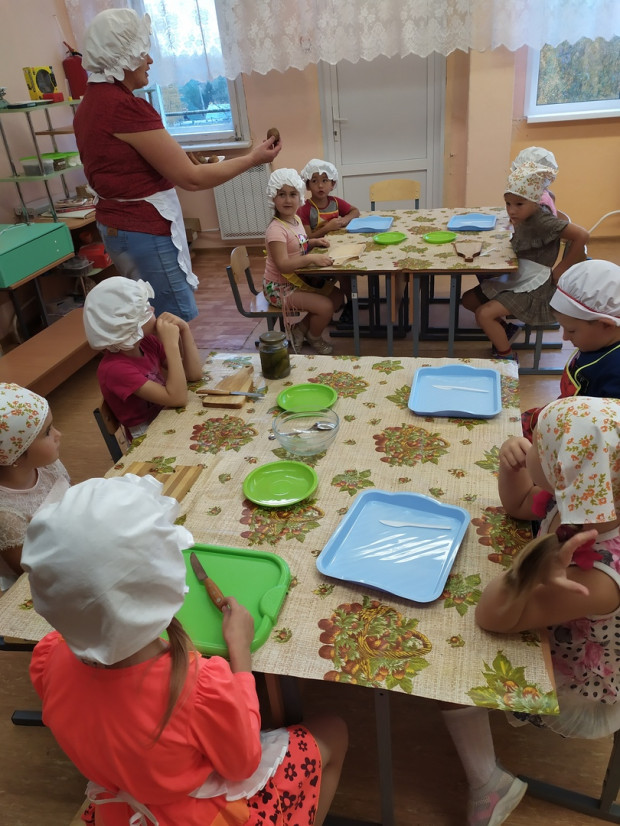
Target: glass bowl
column 306, row 433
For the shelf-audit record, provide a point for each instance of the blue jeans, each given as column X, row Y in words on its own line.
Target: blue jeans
column 154, row 259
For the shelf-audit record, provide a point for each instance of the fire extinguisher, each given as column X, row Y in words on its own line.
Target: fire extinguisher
column 75, row 72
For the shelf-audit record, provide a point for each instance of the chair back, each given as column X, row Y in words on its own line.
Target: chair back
column 108, row 425
column 239, row 263
column 395, row 189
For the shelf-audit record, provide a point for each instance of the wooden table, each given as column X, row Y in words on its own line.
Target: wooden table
column 422, row 261
column 334, row 630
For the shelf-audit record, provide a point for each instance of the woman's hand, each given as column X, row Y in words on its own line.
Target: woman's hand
column 266, row 151
column 513, row 452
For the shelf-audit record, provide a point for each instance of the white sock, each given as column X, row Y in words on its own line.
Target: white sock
column 470, row 731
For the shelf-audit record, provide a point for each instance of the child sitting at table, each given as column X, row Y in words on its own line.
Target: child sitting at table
column 567, row 580
column 163, row 734
column 586, row 304
column 541, row 157
column 287, row 248
column 29, row 470
column 525, row 294
column 324, row 212
column 147, row 361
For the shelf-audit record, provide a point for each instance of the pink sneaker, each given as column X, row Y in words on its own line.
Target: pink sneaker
column 495, row 807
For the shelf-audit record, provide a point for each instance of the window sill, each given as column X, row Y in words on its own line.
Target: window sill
column 215, row 147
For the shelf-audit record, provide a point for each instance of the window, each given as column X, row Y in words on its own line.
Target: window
column 574, row 81
column 200, row 108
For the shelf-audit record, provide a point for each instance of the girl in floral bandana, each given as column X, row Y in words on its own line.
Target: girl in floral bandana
column 525, row 294
column 29, row 469
column 568, row 579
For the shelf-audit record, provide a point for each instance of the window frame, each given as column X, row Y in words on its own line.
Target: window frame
column 545, row 113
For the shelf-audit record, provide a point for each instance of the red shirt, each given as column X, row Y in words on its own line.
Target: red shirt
column 121, row 375
column 113, row 168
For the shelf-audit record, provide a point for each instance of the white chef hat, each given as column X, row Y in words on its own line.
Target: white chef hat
column 116, row 40
column 317, row 166
column 589, row 290
column 538, row 155
column 529, row 181
column 285, row 177
column 22, row 416
column 105, row 565
column 115, row 311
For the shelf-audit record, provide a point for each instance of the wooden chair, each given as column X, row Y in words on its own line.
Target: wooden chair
column 239, row 273
column 538, row 330
column 109, row 426
column 396, row 189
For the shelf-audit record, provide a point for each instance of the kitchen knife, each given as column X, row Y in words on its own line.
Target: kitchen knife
column 217, row 597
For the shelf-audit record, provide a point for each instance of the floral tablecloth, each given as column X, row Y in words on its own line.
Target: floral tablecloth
column 329, row 629
column 414, row 254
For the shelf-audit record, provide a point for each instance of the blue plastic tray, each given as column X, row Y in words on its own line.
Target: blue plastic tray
column 472, row 222
column 371, row 223
column 410, row 562
column 456, row 390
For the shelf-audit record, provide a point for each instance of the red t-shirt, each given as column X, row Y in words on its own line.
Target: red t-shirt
column 121, row 375
column 113, row 168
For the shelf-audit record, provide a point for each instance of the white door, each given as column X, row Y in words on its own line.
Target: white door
column 384, row 119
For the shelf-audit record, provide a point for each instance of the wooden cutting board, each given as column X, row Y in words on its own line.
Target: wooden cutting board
column 176, row 484
column 241, row 380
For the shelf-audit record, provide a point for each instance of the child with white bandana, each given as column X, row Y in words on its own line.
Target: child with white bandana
column 541, row 157
column 163, row 735
column 29, row 470
column 567, row 580
column 526, row 293
column 586, row 304
column 147, row 361
column 287, row 248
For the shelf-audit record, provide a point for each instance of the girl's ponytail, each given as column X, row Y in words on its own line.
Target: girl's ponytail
column 528, row 563
column 181, row 648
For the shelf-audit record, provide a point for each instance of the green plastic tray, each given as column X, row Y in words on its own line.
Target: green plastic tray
column 257, row 579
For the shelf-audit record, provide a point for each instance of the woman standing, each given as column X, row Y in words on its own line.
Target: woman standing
column 134, row 165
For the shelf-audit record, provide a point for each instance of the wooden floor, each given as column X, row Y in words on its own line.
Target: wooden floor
column 39, row 787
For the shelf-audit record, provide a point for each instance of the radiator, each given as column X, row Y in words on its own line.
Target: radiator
column 242, row 206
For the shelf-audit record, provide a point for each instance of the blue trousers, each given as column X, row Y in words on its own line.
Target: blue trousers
column 152, row 258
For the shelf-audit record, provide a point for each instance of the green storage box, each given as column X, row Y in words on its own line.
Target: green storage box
column 28, row 248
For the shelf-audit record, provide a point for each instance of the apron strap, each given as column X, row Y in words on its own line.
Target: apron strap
column 141, row 815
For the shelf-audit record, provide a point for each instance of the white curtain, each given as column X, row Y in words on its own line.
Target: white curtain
column 185, row 43
column 260, row 35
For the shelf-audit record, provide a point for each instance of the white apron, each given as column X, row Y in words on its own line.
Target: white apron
column 528, row 277
column 169, row 207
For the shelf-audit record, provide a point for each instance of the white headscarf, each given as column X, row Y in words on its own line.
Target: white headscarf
column 529, row 181
column 116, row 40
column 285, row 177
column 115, row 311
column 106, row 567
column 22, row 416
column 578, row 441
column 319, row 167
column 590, row 291
column 538, row 155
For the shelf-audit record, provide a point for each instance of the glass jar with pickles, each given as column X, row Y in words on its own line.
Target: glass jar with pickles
column 273, row 352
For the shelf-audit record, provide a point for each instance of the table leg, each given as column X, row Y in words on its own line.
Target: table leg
column 356, row 315
column 415, row 299
column 453, row 312
column 390, row 311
